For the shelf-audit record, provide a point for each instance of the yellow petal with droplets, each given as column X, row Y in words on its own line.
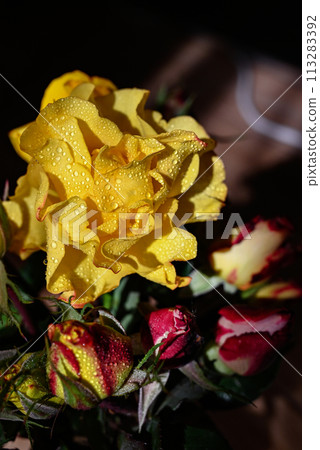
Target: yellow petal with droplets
column 125, row 107
column 14, row 136
column 204, row 200
column 30, row 196
column 155, row 253
column 187, row 175
column 186, row 123
column 64, row 85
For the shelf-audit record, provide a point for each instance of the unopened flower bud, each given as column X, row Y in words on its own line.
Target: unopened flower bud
column 177, row 330
column 249, row 338
column 87, row 362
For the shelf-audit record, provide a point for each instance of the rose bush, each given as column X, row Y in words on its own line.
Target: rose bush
column 97, row 156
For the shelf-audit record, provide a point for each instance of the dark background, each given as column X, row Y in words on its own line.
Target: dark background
column 124, row 41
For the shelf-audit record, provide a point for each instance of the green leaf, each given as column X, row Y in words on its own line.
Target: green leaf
column 4, row 308
column 75, row 393
column 195, row 373
column 155, row 431
column 40, row 409
column 184, row 390
column 109, row 320
column 203, row 282
column 67, row 312
column 133, row 383
column 252, row 291
column 106, row 300
column 248, row 387
column 12, row 416
column 204, row 439
column 148, row 394
column 117, row 295
column 22, row 296
column 6, row 355
column 132, row 301
column 200, row 284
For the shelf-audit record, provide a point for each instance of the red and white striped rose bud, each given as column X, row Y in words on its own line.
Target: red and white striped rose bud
column 248, row 337
column 87, row 362
column 254, row 253
column 177, row 330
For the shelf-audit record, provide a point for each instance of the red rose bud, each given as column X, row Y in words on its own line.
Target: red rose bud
column 246, row 262
column 176, row 328
column 87, row 362
column 247, row 339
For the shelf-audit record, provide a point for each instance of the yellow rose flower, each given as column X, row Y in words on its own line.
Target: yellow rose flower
column 103, row 190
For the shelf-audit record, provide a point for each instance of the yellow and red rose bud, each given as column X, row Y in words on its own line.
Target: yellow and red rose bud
column 177, row 330
column 28, row 390
column 249, row 338
column 279, row 290
column 255, row 252
column 87, row 362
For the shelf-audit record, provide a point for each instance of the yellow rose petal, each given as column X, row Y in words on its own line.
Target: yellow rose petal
column 64, row 85
column 30, row 196
column 125, row 107
column 205, row 198
column 187, row 123
column 14, row 136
